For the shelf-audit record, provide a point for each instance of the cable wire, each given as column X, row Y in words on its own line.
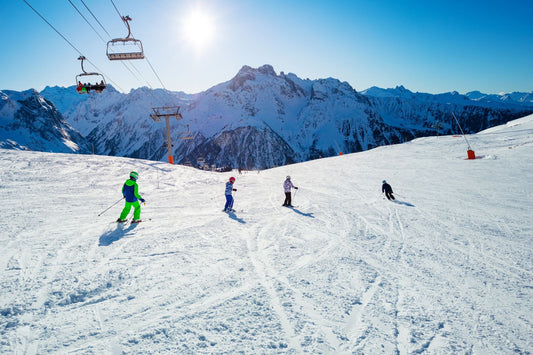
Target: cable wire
column 66, row 40
column 98, row 21
column 95, row 18
column 104, row 41
column 145, row 57
column 158, row 78
column 79, row 12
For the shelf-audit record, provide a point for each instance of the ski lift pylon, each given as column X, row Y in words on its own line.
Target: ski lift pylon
column 167, row 112
column 83, row 80
column 125, row 48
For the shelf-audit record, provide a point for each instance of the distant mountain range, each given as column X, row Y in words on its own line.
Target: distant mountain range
column 258, row 119
column 28, row 121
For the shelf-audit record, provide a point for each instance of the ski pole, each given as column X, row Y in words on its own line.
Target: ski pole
column 294, row 194
column 101, row 213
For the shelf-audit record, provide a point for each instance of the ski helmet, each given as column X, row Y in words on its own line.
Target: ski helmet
column 384, row 181
column 288, row 177
column 134, row 175
column 232, row 179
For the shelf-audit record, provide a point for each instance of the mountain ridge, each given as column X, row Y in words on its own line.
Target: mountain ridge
column 294, row 119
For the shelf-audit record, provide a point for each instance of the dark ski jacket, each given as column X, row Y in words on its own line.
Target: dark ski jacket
column 386, row 188
column 130, row 190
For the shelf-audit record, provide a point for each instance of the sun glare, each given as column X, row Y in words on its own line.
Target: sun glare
column 198, row 29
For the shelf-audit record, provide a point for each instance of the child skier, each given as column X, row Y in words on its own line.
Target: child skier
column 287, row 185
column 387, row 189
column 229, row 198
column 130, row 190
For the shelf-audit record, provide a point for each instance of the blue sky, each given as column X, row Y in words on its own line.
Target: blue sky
column 426, row 46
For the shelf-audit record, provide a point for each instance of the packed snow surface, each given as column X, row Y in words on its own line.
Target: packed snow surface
column 446, row 269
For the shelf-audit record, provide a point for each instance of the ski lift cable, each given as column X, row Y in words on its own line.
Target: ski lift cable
column 103, row 40
column 95, row 18
column 70, row 43
column 122, row 18
column 150, row 64
column 129, row 30
column 98, row 21
column 145, row 57
column 79, row 12
column 158, row 78
column 49, row 24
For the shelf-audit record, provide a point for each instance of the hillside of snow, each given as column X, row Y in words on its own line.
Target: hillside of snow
column 447, row 269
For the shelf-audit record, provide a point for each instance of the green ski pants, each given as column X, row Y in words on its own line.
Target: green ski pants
column 136, row 212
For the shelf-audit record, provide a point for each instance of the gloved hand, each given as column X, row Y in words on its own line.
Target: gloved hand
column 295, row 187
column 234, row 189
column 142, row 200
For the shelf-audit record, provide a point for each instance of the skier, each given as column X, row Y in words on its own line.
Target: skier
column 130, row 190
column 287, row 185
column 229, row 198
column 387, row 189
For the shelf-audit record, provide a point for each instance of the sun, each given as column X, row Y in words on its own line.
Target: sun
column 198, row 29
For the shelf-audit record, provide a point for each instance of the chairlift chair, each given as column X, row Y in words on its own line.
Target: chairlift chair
column 187, row 135
column 125, row 48
column 84, row 80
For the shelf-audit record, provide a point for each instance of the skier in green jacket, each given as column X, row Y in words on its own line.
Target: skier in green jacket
column 130, row 190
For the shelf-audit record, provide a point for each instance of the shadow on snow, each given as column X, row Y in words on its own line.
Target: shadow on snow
column 403, row 203
column 234, row 217
column 112, row 236
column 303, row 214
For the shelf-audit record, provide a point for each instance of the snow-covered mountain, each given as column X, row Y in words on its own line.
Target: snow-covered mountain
column 516, row 98
column 521, row 98
column 30, row 122
column 260, row 119
column 446, row 269
column 426, row 114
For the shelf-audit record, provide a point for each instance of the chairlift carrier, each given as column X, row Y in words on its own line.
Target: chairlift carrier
column 125, row 48
column 89, row 77
column 186, row 135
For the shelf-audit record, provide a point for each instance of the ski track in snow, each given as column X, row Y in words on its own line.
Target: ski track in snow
column 446, row 269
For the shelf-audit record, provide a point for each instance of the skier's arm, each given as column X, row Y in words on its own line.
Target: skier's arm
column 136, row 192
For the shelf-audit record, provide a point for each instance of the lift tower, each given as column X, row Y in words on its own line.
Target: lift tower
column 167, row 112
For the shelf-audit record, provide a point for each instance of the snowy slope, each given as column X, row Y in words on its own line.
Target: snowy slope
column 445, row 270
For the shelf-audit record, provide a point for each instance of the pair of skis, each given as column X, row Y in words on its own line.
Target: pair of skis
column 134, row 222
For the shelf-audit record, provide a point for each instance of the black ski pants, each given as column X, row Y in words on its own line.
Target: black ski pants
column 287, row 199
